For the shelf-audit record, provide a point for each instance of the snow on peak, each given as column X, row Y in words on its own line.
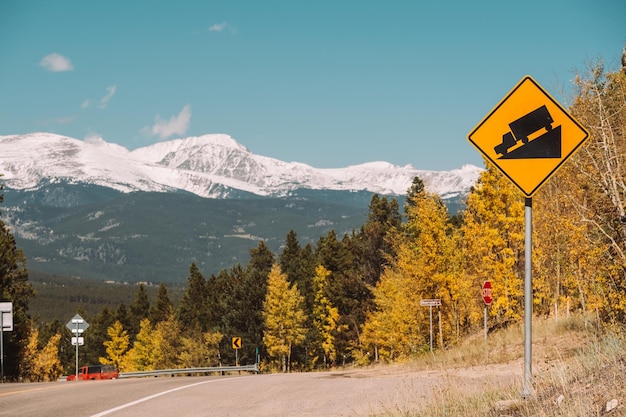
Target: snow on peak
column 201, row 165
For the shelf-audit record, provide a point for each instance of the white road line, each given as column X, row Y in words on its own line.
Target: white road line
column 148, row 398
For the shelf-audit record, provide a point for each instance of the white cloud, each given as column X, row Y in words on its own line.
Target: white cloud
column 105, row 100
column 218, row 27
column 177, row 125
column 56, row 63
column 85, row 104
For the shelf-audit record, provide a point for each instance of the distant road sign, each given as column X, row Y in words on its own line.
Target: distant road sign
column 430, row 302
column 528, row 136
column 79, row 340
column 487, row 293
column 236, row 343
column 77, row 325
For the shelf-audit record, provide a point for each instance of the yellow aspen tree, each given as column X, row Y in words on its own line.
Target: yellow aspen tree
column 325, row 316
column 393, row 329
column 30, row 355
column 116, row 346
column 422, row 269
column 493, row 244
column 168, row 342
column 142, row 356
column 47, row 366
column 284, row 317
column 199, row 352
column 600, row 106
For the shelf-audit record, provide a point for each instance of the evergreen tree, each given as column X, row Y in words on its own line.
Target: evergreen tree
column 15, row 288
column 284, row 318
column 162, row 307
column 298, row 264
column 94, row 336
column 139, row 309
column 192, row 311
column 348, row 291
column 373, row 249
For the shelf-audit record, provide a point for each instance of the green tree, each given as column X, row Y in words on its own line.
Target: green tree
column 162, row 307
column 284, row 317
column 95, row 336
column 14, row 287
column 139, row 309
column 298, row 264
column 348, row 291
column 192, row 311
column 373, row 248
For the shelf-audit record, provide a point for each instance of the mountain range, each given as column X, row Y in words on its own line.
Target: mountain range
column 96, row 209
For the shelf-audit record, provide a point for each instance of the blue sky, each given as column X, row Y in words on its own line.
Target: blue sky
column 327, row 83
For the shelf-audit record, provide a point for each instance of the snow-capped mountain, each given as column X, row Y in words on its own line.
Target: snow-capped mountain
column 210, row 166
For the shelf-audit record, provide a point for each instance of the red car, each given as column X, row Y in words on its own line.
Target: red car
column 93, row 372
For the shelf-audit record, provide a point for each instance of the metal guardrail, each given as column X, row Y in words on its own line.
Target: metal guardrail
column 244, row 368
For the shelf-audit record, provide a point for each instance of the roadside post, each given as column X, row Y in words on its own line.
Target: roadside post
column 77, row 325
column 430, row 303
column 528, row 136
column 236, row 343
column 487, row 294
column 6, row 323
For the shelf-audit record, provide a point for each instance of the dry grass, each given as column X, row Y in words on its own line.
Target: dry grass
column 576, row 371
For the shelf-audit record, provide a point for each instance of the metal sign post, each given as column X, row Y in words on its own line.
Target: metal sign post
column 77, row 326
column 487, row 294
column 528, row 136
column 430, row 303
column 528, row 298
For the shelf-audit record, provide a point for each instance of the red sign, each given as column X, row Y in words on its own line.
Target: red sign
column 487, row 293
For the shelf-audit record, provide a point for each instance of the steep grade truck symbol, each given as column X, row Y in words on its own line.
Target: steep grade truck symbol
column 524, row 127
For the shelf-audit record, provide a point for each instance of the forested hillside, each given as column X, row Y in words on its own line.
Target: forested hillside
column 356, row 298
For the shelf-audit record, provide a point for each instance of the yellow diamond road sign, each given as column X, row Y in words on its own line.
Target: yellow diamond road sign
column 528, row 136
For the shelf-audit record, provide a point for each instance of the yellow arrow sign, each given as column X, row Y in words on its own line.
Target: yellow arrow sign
column 528, row 136
column 236, row 342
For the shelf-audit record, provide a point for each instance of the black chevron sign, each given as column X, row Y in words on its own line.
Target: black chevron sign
column 237, row 343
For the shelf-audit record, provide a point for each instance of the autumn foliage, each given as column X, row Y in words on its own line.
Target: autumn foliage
column 357, row 297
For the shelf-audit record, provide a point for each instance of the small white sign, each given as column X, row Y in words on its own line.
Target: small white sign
column 6, row 316
column 81, row 341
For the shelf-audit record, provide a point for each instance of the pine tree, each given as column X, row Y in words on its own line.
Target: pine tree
column 139, row 309
column 14, row 287
column 284, row 318
column 162, row 307
column 373, row 248
column 192, row 311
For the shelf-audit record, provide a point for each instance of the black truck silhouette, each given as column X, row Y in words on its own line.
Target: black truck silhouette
column 524, row 127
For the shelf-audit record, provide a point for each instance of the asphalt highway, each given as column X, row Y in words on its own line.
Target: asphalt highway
column 329, row 394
